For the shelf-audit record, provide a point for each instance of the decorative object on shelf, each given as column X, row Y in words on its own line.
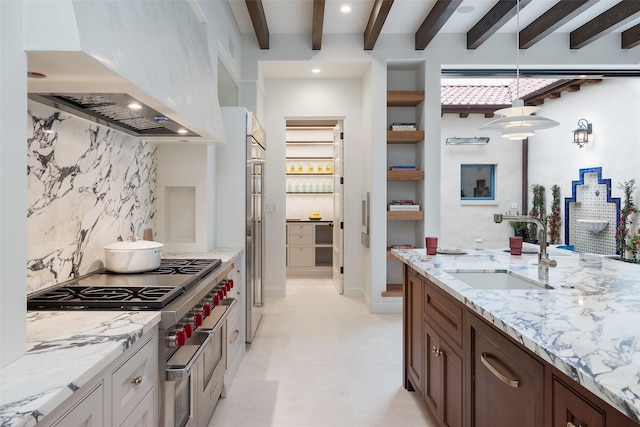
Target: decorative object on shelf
column 316, row 216
column 627, row 217
column 554, row 220
column 517, row 122
column 582, row 134
column 475, row 140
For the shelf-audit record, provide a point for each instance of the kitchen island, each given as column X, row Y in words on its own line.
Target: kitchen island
column 66, row 350
column 587, row 325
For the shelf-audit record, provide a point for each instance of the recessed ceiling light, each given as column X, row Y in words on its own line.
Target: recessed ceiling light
column 345, row 8
column 465, row 9
column 315, row 70
column 134, row 106
column 182, row 131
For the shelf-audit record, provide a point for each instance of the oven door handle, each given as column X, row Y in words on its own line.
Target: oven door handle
column 181, row 373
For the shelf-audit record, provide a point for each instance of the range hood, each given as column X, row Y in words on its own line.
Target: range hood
column 78, row 84
column 119, row 111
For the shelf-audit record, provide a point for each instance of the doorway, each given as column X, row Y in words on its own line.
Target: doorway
column 314, row 199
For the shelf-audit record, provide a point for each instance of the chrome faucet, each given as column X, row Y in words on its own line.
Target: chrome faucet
column 543, row 259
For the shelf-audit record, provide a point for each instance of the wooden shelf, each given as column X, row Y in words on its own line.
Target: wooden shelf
column 405, row 175
column 405, row 215
column 404, row 136
column 393, row 290
column 404, row 98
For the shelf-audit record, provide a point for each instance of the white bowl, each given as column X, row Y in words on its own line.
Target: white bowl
column 132, row 256
column 593, row 225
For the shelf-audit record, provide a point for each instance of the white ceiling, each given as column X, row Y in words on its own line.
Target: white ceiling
column 406, row 16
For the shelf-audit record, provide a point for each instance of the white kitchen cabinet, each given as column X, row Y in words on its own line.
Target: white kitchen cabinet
column 122, row 394
column 309, row 247
column 88, row 412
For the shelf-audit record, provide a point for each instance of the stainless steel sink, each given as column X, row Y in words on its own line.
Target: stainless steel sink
column 497, row 279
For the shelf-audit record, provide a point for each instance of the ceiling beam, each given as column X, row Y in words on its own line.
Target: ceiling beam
column 438, row 16
column 604, row 23
column 317, row 24
column 378, row 15
column 631, row 37
column 259, row 21
column 499, row 15
column 558, row 15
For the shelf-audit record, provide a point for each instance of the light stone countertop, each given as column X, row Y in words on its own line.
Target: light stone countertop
column 66, row 349
column 588, row 326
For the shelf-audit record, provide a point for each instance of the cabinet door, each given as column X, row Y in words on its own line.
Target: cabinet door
column 415, row 287
column 570, row 409
column 144, row 415
column 506, row 384
column 301, row 256
column 443, row 379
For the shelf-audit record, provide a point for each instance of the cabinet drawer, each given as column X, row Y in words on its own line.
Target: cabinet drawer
column 234, row 336
column 144, row 415
column 89, row 412
column 300, row 257
column 301, row 229
column 300, row 239
column 132, row 380
column 445, row 312
column 569, row 407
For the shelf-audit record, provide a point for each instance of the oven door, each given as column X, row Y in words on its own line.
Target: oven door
column 181, row 386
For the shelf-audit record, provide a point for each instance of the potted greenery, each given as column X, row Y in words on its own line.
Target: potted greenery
column 554, row 218
column 519, row 228
column 537, row 211
column 627, row 214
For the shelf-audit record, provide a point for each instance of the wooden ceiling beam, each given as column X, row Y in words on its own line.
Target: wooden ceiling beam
column 499, row 15
column 378, row 16
column 437, row 17
column 317, row 24
column 604, row 23
column 558, row 15
column 631, row 37
column 259, row 21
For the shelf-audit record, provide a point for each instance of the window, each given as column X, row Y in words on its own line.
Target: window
column 477, row 182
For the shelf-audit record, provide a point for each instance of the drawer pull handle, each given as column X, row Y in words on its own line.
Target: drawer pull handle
column 508, row 381
column 137, row 380
column 436, row 351
column 236, row 334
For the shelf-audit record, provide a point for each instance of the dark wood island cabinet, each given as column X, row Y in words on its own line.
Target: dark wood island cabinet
column 470, row 374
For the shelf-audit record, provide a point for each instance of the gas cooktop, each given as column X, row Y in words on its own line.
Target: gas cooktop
column 104, row 290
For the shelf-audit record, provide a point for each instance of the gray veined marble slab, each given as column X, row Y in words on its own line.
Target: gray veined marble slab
column 588, row 326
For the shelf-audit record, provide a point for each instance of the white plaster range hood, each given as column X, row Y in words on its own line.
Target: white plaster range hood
column 82, row 86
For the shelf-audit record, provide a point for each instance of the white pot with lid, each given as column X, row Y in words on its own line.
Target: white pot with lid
column 132, row 256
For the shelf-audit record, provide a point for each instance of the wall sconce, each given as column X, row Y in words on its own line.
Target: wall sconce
column 581, row 135
column 476, row 140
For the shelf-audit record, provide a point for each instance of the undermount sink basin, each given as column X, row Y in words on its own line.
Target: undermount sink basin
column 498, row 279
column 593, row 225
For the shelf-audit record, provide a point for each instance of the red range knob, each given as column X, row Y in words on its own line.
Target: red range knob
column 216, row 299
column 197, row 319
column 181, row 338
column 221, row 293
column 230, row 284
column 227, row 285
column 188, row 330
column 206, row 310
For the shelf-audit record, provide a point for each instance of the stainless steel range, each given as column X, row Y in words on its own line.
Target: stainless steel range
column 192, row 298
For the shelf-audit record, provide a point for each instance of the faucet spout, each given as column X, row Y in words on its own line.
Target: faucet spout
column 543, row 259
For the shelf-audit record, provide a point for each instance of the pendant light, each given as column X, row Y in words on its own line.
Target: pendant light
column 517, row 122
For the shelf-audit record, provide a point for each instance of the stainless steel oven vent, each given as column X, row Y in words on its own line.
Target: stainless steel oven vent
column 114, row 110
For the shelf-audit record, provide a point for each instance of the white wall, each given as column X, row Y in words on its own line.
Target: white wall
column 313, row 98
column 13, row 183
column 464, row 221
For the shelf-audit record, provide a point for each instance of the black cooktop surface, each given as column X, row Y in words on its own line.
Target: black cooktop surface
column 103, row 290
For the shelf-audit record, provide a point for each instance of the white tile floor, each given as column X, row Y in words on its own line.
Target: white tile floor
column 320, row 359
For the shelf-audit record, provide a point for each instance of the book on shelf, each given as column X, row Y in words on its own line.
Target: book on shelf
column 402, row 126
column 402, row 168
column 402, row 202
column 404, row 207
column 402, row 247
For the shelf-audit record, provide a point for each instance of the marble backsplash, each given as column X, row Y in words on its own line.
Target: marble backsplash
column 87, row 185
